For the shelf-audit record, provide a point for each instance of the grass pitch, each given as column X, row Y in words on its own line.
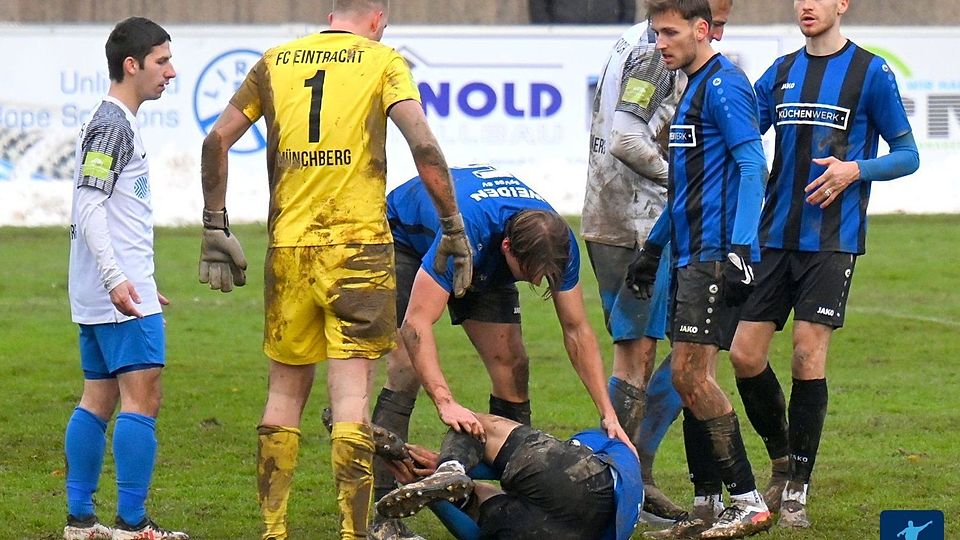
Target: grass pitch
column 890, row 442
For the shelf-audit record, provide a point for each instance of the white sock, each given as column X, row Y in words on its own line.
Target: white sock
column 791, row 493
column 752, row 498
column 451, row 466
column 714, row 500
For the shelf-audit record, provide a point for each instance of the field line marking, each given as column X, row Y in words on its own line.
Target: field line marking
column 906, row 316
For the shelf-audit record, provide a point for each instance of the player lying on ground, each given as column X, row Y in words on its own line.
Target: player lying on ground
column 586, row 487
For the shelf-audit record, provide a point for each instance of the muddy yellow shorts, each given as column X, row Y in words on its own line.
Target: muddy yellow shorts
column 329, row 302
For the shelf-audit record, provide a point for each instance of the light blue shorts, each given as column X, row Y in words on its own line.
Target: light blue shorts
column 626, row 317
column 109, row 349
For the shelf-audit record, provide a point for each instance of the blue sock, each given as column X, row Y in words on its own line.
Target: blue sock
column 134, row 451
column 482, row 471
column 462, row 526
column 84, row 444
column 663, row 407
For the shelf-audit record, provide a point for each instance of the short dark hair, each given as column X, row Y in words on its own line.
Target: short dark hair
column 540, row 240
column 358, row 6
column 134, row 37
column 688, row 9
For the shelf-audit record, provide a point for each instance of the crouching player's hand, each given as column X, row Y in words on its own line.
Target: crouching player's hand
column 422, row 462
column 612, row 426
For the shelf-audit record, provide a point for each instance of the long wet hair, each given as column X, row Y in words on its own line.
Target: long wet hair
column 540, row 240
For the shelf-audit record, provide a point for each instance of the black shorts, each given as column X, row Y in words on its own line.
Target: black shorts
column 500, row 304
column 814, row 284
column 555, row 489
column 698, row 313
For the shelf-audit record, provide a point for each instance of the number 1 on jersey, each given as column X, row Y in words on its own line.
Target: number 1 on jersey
column 315, row 83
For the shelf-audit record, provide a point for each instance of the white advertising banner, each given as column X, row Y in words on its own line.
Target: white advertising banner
column 516, row 97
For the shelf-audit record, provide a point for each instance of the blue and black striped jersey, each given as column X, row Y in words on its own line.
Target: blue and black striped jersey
column 718, row 112
column 837, row 105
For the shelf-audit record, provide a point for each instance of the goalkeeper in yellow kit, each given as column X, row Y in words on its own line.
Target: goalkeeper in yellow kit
column 329, row 290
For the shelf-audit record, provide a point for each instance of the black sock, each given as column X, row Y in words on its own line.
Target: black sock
column 808, row 409
column 696, row 443
column 629, row 402
column 518, row 412
column 767, row 410
column 729, row 454
column 461, row 447
column 392, row 411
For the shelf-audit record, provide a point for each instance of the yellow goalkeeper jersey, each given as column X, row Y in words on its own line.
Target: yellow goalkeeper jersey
column 325, row 99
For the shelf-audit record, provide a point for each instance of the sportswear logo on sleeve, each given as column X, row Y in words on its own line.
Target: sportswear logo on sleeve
column 142, row 187
column 684, row 136
column 638, row 92
column 97, row 165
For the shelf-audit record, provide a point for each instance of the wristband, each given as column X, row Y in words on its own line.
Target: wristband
column 216, row 219
column 452, row 224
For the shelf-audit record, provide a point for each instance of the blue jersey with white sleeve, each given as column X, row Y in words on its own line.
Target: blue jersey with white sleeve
column 837, row 105
column 487, row 198
column 628, row 483
column 717, row 113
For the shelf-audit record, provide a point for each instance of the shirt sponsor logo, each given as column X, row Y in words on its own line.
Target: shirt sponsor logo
column 684, row 136
column 817, row 114
column 504, row 187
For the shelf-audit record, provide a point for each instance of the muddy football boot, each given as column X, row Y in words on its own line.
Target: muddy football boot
column 779, row 474
column 450, row 483
column 701, row 517
column 391, row 529
column 687, row 527
column 86, row 529
column 145, row 530
column 793, row 507
column 386, row 443
column 739, row 520
column 658, row 509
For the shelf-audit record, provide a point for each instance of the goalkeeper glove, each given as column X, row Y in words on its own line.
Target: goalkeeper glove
column 642, row 272
column 738, row 279
column 454, row 243
column 222, row 262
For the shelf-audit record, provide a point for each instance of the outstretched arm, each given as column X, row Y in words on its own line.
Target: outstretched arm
column 226, row 131
column 222, row 262
column 584, row 353
column 408, row 116
column 427, row 300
